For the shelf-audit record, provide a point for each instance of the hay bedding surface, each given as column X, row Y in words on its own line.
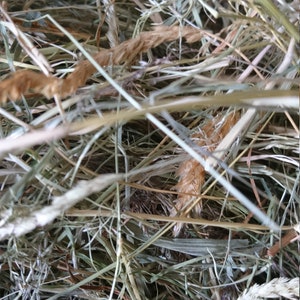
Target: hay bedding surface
column 149, row 150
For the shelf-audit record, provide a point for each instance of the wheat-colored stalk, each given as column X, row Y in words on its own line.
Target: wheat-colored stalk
column 191, row 173
column 278, row 287
column 25, row 80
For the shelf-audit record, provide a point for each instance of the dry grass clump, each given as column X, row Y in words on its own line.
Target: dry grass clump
column 149, row 150
column 274, row 289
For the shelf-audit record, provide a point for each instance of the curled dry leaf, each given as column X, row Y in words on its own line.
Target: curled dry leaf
column 23, row 81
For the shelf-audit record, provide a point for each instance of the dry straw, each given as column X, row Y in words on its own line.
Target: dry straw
column 278, row 287
column 170, row 118
column 60, row 205
column 24, row 81
column 191, row 173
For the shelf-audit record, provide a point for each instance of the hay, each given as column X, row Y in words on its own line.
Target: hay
column 149, row 150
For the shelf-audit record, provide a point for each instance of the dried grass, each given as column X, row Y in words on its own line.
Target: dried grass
column 125, row 52
column 278, row 287
column 169, row 118
column 191, row 173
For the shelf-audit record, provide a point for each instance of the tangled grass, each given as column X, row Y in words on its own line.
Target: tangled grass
column 135, row 181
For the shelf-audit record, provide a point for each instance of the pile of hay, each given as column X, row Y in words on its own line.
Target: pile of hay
column 149, row 149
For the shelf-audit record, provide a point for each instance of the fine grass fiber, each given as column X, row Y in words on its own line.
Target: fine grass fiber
column 149, row 149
